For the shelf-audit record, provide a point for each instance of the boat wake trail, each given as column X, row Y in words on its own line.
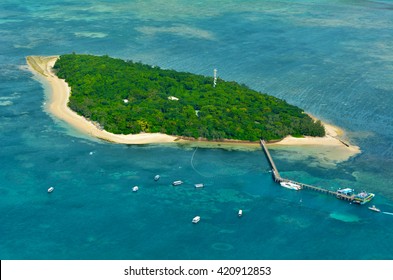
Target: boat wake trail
column 387, row 213
column 193, row 167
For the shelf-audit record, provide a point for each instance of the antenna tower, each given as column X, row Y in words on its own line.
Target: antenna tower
column 215, row 78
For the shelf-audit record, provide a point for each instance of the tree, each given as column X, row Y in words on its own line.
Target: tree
column 229, row 110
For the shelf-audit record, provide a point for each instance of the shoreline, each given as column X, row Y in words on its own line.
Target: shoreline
column 41, row 66
column 58, row 106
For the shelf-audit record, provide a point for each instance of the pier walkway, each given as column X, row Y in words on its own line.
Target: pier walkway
column 277, row 178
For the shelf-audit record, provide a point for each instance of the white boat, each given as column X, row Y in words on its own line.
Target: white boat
column 346, row 191
column 290, row 185
column 177, row 183
column 135, row 188
column 240, row 213
column 51, row 189
column 373, row 208
column 199, row 185
column 196, row 219
column 157, row 177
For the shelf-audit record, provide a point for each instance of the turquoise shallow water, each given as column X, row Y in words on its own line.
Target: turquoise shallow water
column 332, row 58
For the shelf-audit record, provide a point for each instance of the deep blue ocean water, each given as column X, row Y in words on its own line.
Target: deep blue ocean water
column 332, row 58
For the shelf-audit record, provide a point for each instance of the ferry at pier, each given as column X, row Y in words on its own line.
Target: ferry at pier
column 290, row 186
column 363, row 197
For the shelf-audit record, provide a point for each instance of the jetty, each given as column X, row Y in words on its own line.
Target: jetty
column 277, row 178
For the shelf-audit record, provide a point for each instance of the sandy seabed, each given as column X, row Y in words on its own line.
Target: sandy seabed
column 42, row 67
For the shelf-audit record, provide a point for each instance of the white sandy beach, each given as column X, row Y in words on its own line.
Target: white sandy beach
column 58, row 107
column 332, row 138
column 329, row 149
column 60, row 90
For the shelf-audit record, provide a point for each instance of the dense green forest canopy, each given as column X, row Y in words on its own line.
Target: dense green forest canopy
column 127, row 97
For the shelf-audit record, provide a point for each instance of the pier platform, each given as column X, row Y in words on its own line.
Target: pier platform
column 277, row 178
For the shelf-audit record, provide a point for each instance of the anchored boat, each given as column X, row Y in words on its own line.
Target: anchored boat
column 177, row 183
column 51, row 189
column 196, row 219
column 199, row 186
column 157, row 177
column 135, row 188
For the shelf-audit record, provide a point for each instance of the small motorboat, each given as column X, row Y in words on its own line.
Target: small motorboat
column 196, row 219
column 135, row 188
column 240, row 213
column 199, row 186
column 157, row 177
column 373, row 208
column 177, row 183
column 51, row 189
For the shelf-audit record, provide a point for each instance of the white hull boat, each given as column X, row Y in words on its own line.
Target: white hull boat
column 373, row 208
column 290, row 186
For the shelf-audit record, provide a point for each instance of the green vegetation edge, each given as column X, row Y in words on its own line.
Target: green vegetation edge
column 125, row 97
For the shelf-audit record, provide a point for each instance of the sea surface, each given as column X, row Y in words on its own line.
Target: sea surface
column 332, row 58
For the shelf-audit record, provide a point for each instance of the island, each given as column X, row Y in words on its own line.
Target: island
column 134, row 103
column 126, row 97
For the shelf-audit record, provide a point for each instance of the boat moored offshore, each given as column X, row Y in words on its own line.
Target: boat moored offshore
column 291, row 186
column 51, row 189
column 177, row 183
column 135, row 188
column 199, row 186
column 196, row 219
column 157, row 177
